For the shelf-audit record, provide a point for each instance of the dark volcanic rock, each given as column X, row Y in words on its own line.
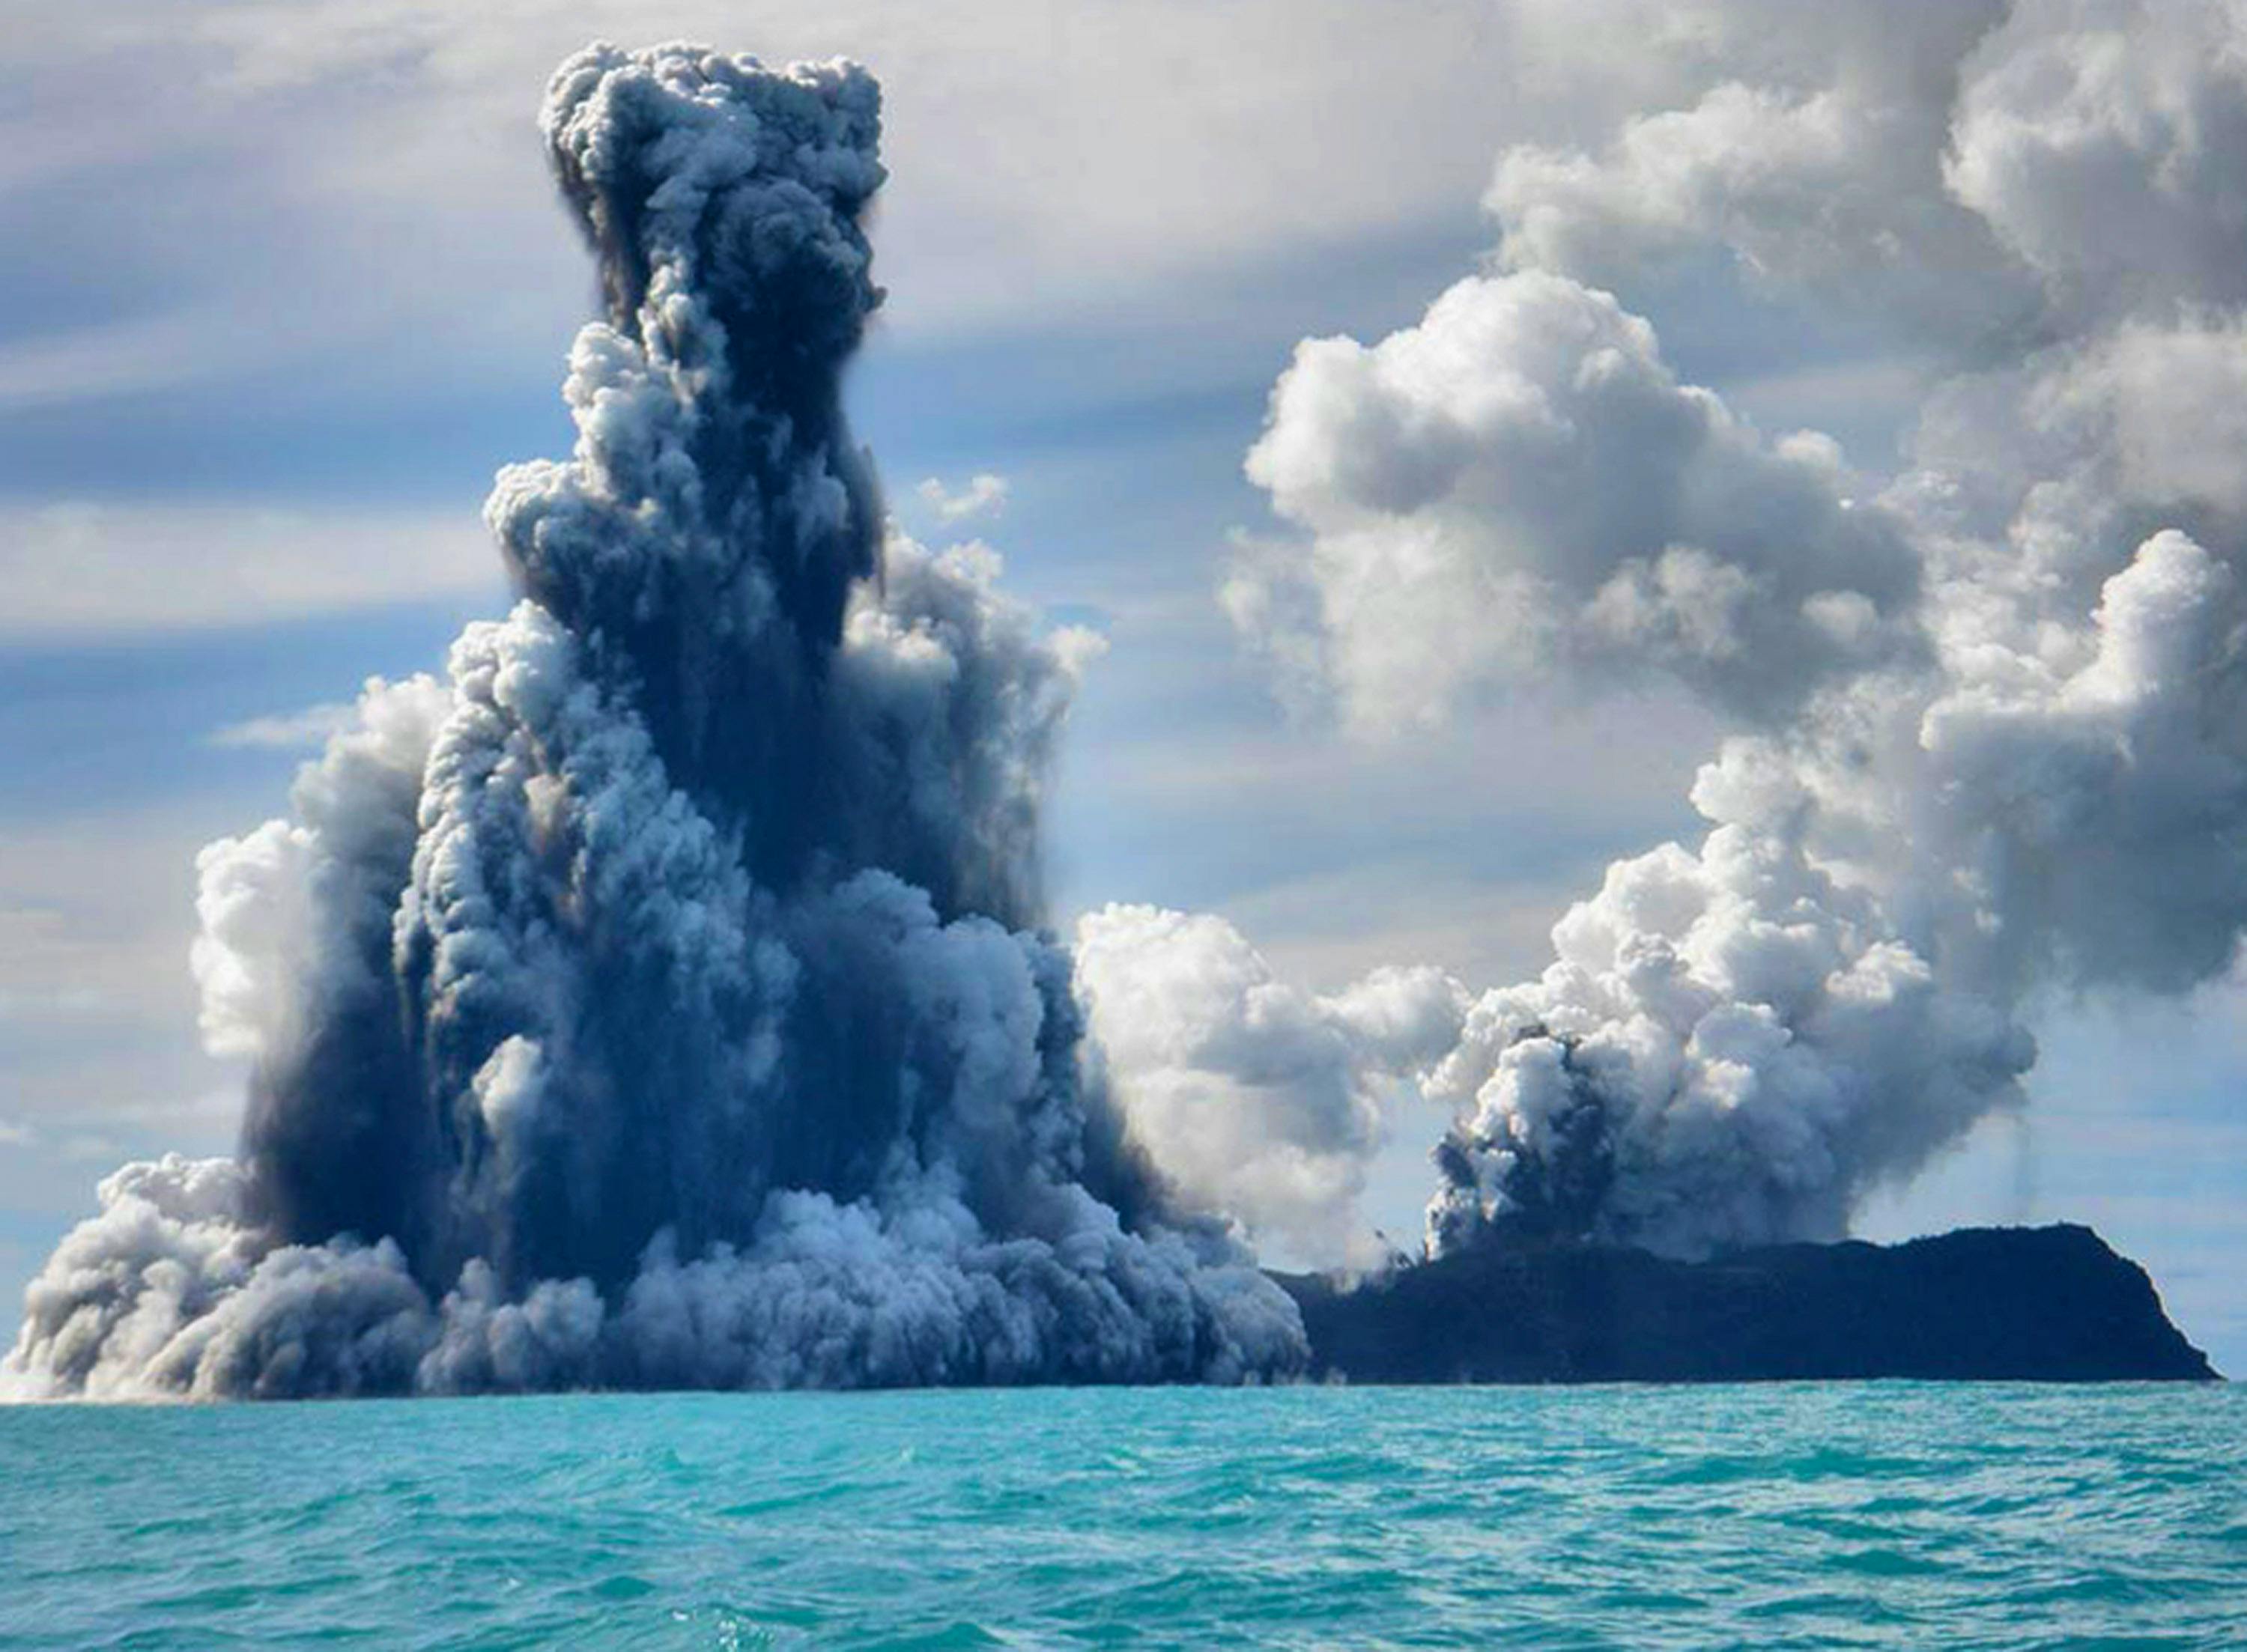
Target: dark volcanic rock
column 2046, row 1304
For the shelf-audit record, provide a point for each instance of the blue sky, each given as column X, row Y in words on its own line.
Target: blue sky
column 274, row 315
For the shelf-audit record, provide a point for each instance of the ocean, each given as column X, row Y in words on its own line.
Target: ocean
column 1821, row 1515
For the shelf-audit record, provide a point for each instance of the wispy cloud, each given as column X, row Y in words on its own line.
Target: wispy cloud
column 118, row 358
column 77, row 570
column 985, row 495
column 287, row 731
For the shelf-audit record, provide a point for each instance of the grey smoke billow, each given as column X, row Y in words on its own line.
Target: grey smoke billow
column 657, row 1000
column 1990, row 752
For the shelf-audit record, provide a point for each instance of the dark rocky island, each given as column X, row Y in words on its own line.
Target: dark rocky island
column 2042, row 1304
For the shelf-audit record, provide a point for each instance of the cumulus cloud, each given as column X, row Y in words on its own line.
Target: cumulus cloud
column 657, row 999
column 2102, row 140
column 1983, row 173
column 1519, row 486
column 2042, row 477
column 985, row 495
column 1257, row 1102
column 1810, row 149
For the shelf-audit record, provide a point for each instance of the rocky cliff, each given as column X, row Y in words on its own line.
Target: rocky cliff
column 2046, row 1304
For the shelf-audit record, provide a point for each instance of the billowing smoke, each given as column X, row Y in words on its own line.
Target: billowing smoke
column 1260, row 1104
column 1519, row 484
column 1989, row 751
column 656, row 999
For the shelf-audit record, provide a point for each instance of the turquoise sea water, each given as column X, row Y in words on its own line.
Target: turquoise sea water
column 1826, row 1515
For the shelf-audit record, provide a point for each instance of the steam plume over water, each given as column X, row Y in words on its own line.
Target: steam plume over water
column 660, row 997
column 1986, row 753
column 657, row 999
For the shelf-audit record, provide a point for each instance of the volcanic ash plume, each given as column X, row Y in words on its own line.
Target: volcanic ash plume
column 656, row 1001
column 1990, row 753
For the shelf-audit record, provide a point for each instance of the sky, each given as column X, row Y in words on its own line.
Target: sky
column 287, row 284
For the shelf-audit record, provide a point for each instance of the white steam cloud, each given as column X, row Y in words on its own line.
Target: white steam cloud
column 1259, row 1104
column 1989, row 749
column 1520, row 485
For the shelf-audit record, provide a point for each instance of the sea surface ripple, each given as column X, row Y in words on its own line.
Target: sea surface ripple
column 1832, row 1515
